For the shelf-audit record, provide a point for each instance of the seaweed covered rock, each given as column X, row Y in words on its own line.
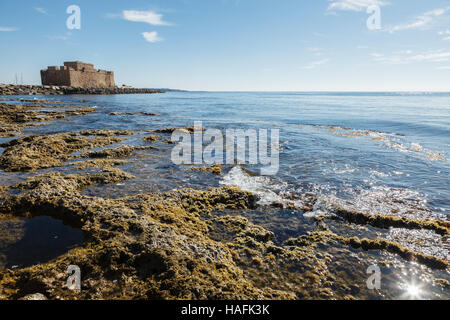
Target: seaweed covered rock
column 49, row 151
column 16, row 117
column 149, row 246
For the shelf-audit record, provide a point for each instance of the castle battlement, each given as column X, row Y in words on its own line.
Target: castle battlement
column 77, row 74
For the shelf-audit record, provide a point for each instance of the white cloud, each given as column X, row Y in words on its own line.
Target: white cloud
column 421, row 22
column 152, row 36
column 315, row 64
column 407, row 57
column 41, row 10
column 8, row 29
column 354, row 5
column 446, row 34
column 149, row 17
column 432, row 57
column 443, row 68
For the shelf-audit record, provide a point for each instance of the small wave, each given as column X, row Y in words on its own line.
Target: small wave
column 263, row 187
column 390, row 140
column 272, row 193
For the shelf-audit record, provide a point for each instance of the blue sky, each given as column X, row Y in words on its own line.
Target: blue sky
column 235, row 45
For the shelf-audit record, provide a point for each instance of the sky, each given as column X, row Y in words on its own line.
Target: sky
column 235, row 45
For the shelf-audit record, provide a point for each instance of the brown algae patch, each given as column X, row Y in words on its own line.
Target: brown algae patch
column 52, row 150
column 386, row 222
column 215, row 169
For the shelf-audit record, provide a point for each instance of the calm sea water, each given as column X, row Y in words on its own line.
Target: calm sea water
column 345, row 144
column 383, row 153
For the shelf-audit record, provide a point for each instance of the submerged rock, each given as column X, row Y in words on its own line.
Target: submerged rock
column 103, row 163
column 191, row 129
column 115, row 153
column 386, row 222
column 151, row 138
column 215, row 169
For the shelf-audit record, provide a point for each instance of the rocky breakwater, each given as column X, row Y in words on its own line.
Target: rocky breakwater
column 10, row 89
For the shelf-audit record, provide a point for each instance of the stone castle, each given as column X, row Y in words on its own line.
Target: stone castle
column 77, row 74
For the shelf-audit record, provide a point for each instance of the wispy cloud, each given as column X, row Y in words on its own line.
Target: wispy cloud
column 407, row 57
column 64, row 37
column 446, row 35
column 316, row 51
column 8, row 29
column 315, row 64
column 152, row 36
column 149, row 17
column 41, row 10
column 354, row 5
column 423, row 21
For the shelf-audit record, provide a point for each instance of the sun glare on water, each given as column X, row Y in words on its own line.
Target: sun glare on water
column 412, row 291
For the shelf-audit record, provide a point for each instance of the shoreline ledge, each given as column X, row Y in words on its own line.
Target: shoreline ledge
column 13, row 90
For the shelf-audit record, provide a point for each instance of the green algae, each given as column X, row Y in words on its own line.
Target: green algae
column 386, row 222
column 49, row 151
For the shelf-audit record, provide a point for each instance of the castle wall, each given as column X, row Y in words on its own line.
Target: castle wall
column 56, row 77
column 91, row 79
column 77, row 74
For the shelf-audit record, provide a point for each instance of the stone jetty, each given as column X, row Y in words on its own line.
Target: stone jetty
column 10, row 89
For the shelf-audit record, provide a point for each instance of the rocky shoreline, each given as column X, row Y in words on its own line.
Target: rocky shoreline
column 179, row 244
column 10, row 89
